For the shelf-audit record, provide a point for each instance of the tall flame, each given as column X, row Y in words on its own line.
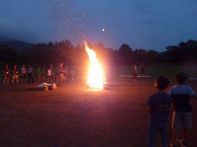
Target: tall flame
column 96, row 75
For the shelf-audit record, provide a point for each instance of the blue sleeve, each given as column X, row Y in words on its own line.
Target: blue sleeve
column 191, row 91
column 170, row 91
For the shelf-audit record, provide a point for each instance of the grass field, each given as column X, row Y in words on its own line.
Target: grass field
column 76, row 116
column 169, row 70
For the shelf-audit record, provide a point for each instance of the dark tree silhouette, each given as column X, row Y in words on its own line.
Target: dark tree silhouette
column 64, row 51
column 7, row 54
column 183, row 52
column 125, row 54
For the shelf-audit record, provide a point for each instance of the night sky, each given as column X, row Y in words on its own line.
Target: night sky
column 148, row 24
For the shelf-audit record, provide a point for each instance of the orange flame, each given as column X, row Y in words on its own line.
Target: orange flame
column 96, row 75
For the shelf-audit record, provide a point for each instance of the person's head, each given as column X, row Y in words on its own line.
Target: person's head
column 181, row 77
column 161, row 83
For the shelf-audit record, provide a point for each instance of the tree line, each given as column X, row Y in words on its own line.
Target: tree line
column 65, row 51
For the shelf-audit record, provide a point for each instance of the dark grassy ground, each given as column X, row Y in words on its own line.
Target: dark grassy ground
column 169, row 70
column 75, row 116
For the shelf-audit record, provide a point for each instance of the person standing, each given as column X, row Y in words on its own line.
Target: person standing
column 134, row 71
column 182, row 114
column 30, row 74
column 142, row 68
column 6, row 72
column 159, row 106
column 49, row 74
column 43, row 74
column 38, row 74
column 61, row 76
column 23, row 73
column 15, row 75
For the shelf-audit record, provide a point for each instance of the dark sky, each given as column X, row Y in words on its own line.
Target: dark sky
column 148, row 24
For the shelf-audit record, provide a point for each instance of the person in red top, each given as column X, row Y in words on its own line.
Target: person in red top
column 15, row 75
column 6, row 75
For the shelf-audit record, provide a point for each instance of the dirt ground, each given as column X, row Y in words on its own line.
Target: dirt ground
column 76, row 116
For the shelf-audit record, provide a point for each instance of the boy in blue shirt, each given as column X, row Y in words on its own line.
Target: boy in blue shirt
column 159, row 107
column 182, row 115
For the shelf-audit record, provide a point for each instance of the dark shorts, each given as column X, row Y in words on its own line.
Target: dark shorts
column 182, row 120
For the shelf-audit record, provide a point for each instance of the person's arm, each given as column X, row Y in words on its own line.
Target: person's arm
column 148, row 105
column 169, row 102
column 192, row 93
column 169, row 92
column 171, row 99
column 194, row 97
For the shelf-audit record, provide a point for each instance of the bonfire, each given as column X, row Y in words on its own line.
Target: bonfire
column 96, row 74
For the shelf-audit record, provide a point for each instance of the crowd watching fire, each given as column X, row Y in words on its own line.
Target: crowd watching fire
column 59, row 74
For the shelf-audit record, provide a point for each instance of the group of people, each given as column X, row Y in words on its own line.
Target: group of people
column 160, row 104
column 15, row 76
column 28, row 74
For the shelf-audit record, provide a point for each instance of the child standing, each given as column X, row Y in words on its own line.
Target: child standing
column 134, row 71
column 15, row 75
column 6, row 75
column 49, row 74
column 182, row 116
column 23, row 73
column 159, row 105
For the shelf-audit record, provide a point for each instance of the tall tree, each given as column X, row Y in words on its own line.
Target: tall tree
column 125, row 54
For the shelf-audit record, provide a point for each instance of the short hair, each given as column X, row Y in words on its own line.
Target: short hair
column 162, row 83
column 181, row 77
